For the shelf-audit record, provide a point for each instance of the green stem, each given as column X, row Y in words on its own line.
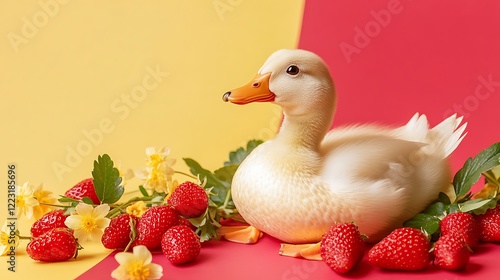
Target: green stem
column 117, row 210
column 55, row 205
column 24, row 237
column 185, row 174
column 226, row 200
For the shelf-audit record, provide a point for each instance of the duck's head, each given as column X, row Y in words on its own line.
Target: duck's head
column 297, row 80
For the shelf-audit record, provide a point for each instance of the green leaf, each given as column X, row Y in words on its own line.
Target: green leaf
column 143, row 191
column 107, row 180
column 469, row 174
column 64, row 199
column 425, row 222
column 438, row 209
column 490, row 205
column 478, row 206
column 444, row 198
column 218, row 185
column 237, row 157
column 87, row 200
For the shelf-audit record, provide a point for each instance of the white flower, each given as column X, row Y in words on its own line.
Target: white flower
column 88, row 222
column 136, row 265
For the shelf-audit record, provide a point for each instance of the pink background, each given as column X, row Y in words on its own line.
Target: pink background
column 429, row 58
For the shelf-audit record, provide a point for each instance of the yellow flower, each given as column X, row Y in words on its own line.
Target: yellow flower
column 488, row 191
column 88, row 222
column 158, row 172
column 156, row 179
column 157, row 158
column 136, row 265
column 137, row 209
column 43, row 197
column 5, row 242
column 25, row 201
column 171, row 186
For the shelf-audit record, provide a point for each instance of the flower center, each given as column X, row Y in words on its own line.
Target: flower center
column 138, row 271
column 155, row 160
column 88, row 224
column 20, row 202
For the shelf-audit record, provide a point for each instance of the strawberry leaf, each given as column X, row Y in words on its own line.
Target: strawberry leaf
column 444, row 198
column 218, row 185
column 478, row 206
column 237, row 157
column 87, row 200
column 107, row 180
column 422, row 221
column 438, row 209
column 469, row 174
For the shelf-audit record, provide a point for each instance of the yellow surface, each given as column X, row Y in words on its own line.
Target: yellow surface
column 77, row 80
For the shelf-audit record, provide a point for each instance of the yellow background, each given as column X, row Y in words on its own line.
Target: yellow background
column 76, row 82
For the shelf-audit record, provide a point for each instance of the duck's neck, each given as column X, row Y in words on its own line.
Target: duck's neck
column 306, row 130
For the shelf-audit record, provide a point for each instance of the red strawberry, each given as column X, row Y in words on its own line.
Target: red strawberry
column 180, row 244
column 189, row 200
column 83, row 189
column 451, row 252
column 153, row 224
column 55, row 245
column 51, row 220
column 462, row 223
column 342, row 247
column 489, row 225
column 186, row 222
column 403, row 249
column 117, row 234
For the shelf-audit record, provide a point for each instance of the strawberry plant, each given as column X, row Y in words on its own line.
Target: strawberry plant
column 463, row 200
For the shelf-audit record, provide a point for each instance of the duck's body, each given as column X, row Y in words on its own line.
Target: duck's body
column 297, row 185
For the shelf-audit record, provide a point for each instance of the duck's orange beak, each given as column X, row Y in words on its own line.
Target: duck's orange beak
column 257, row 90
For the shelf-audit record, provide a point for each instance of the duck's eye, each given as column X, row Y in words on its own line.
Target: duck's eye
column 292, row 70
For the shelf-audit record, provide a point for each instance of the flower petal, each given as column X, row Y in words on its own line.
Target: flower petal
column 124, row 257
column 120, row 273
column 81, row 235
column 96, row 234
column 100, row 211
column 155, row 271
column 150, row 151
column 73, row 222
column 102, row 223
column 84, row 209
column 142, row 253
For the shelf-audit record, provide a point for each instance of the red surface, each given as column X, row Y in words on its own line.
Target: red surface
column 225, row 260
column 432, row 57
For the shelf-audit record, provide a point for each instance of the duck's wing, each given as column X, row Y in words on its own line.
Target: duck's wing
column 365, row 153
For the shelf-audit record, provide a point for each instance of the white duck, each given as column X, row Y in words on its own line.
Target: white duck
column 297, row 185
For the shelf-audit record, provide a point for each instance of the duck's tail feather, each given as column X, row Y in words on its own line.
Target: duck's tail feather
column 442, row 139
